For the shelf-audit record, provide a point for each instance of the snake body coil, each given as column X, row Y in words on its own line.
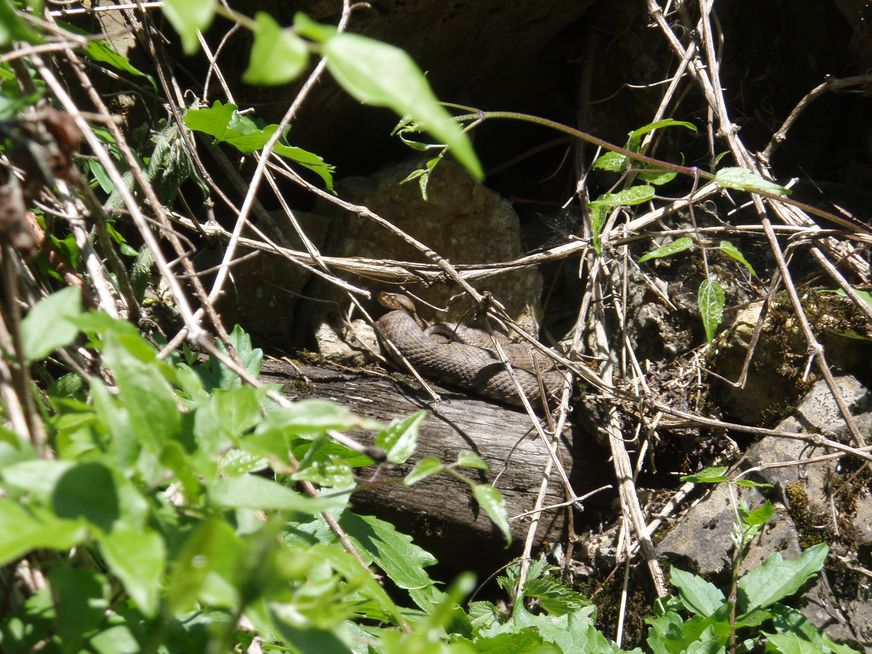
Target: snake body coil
column 473, row 368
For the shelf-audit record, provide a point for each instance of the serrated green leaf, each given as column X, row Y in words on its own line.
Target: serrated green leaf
column 714, row 475
column 253, row 492
column 657, row 178
column 732, row 251
column 493, row 503
column 394, row 552
column 384, row 76
column 237, row 410
column 743, row 179
column 630, row 196
column 553, row 596
column 676, row 246
column 105, row 52
column 223, row 123
column 144, row 393
column 278, row 55
column 698, row 595
column 426, row 467
column 331, row 472
column 23, row 530
column 635, row 137
column 597, row 218
column 313, row 416
column 791, row 644
column 399, row 439
column 137, row 558
column 710, row 300
column 757, row 517
column 189, row 16
column 612, row 162
column 750, row 483
column 776, row 578
column 469, row 459
column 47, row 327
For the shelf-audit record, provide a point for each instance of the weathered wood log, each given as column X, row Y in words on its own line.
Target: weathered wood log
column 439, row 511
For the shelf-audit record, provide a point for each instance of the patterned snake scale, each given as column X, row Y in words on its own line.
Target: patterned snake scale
column 461, row 363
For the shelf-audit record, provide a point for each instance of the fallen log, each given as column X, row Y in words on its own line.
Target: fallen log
column 440, row 511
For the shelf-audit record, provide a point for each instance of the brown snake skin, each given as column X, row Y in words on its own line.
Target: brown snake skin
column 462, row 364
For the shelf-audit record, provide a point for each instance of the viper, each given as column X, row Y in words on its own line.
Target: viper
column 465, row 357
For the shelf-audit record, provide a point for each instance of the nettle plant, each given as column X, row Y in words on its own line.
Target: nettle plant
column 153, row 507
column 154, row 528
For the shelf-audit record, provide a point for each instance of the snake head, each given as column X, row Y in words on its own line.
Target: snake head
column 398, row 301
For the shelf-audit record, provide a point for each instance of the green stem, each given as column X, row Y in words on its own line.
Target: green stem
column 691, row 171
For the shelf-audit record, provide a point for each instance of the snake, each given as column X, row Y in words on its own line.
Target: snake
column 459, row 356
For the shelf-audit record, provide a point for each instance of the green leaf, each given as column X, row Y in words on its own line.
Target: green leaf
column 468, row 459
column 400, row 438
column 490, row 499
column 13, row 29
column 631, row 196
column 307, row 416
column 307, row 27
column 206, row 568
column 597, row 218
column 23, row 530
column 676, row 246
column 224, row 124
column 698, row 595
column 714, row 475
column 137, row 558
column 776, row 578
column 82, row 598
column 253, row 492
column 104, row 51
column 310, row 639
column 573, row 632
column 278, row 56
column 394, row 552
column 750, row 483
column 189, row 16
column 115, row 640
column 147, row 397
column 711, row 306
column 384, row 76
column 37, row 477
column 612, row 162
column 237, row 410
column 743, row 179
column 759, row 516
column 46, row 326
column 657, row 177
column 553, row 596
column 791, row 644
column 732, row 251
column 12, row 105
column 426, row 467
column 635, row 137
column 88, row 491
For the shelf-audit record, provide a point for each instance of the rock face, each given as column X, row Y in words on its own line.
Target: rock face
column 818, row 502
column 776, row 378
